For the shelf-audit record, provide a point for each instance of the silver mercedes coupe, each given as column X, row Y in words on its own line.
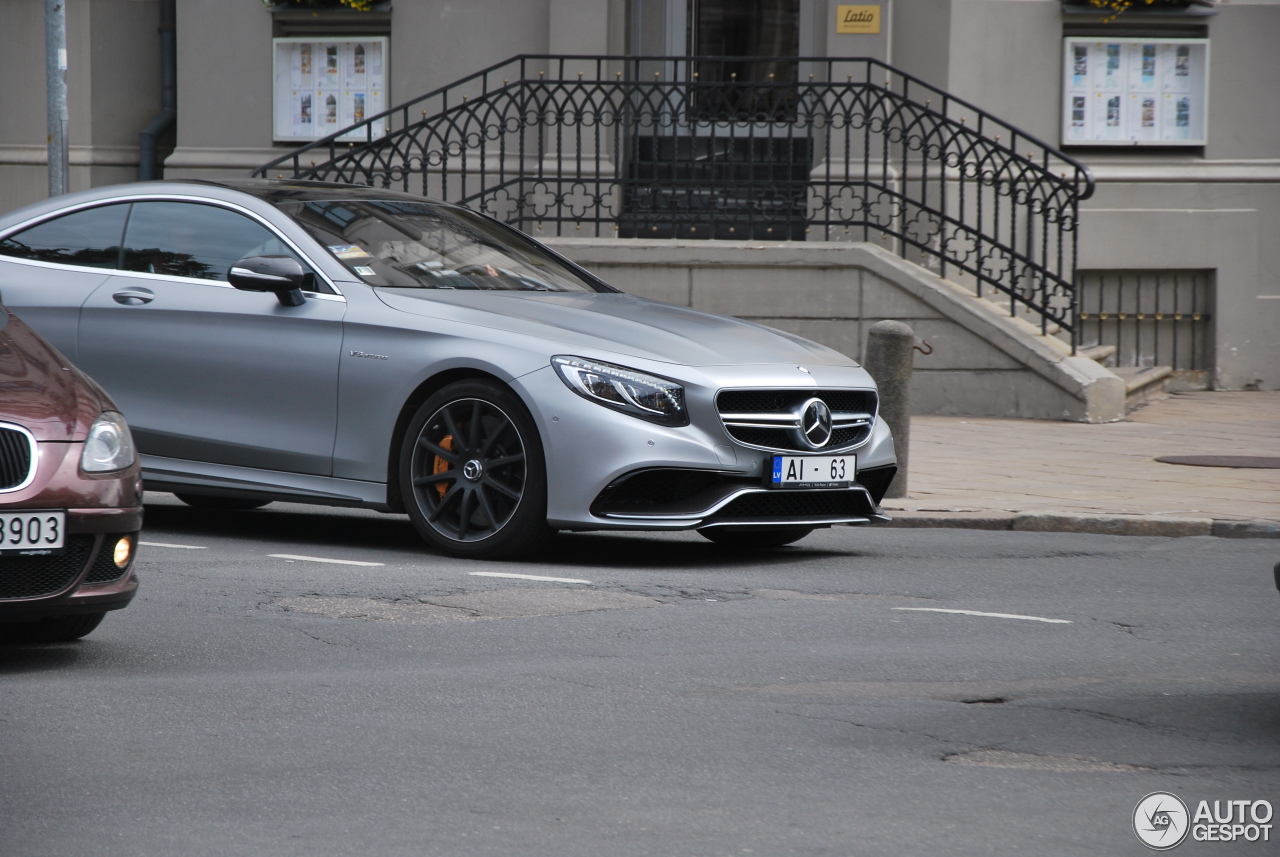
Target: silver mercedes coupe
column 350, row 346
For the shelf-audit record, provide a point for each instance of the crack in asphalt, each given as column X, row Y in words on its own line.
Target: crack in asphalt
column 898, row 731
column 1133, row 629
column 996, row 757
column 312, row 636
column 470, row 612
column 681, row 593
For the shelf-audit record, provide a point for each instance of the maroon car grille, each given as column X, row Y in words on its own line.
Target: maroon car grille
column 35, row 576
column 15, row 458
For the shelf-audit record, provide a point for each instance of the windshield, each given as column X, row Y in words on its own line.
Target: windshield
column 417, row 245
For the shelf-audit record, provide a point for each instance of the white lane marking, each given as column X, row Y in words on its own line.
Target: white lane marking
column 526, row 577
column 980, row 613
column 167, row 545
column 322, row 559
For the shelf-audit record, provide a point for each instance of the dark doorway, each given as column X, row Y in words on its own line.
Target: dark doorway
column 727, row 159
column 761, row 88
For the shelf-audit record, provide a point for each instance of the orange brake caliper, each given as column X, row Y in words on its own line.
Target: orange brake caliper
column 440, row 465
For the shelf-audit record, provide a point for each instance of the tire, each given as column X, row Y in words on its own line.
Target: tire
column 221, row 504
column 54, row 629
column 472, row 473
column 744, row 538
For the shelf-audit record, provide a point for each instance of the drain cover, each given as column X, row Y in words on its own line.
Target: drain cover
column 1259, row 462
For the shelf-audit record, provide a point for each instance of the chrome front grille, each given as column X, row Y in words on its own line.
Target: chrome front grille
column 771, row 419
column 17, row 457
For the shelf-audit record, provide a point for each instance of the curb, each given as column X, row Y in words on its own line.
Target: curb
column 1108, row 525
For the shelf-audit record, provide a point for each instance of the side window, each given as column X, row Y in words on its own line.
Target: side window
column 88, row 237
column 186, row 239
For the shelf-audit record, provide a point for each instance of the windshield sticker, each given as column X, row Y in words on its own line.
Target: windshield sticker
column 348, row 251
column 364, row 270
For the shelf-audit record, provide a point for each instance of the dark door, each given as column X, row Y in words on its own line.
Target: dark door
column 730, row 161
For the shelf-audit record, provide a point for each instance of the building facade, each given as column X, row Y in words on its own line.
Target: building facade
column 1176, row 263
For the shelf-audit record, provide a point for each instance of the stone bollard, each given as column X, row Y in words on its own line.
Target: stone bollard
column 889, row 356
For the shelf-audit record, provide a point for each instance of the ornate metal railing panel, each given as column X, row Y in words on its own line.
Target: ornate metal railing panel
column 777, row 148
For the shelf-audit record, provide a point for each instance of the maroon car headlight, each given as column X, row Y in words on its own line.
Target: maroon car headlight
column 109, row 445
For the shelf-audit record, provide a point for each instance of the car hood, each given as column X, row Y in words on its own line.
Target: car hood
column 618, row 323
column 39, row 388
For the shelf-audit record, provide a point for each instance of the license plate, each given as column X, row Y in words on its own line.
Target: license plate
column 812, row 471
column 32, row 533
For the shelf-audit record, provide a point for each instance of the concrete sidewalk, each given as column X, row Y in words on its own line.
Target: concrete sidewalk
column 1074, row 477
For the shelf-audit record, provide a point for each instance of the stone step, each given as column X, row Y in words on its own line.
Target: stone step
column 1141, row 384
column 1138, row 377
column 1097, row 353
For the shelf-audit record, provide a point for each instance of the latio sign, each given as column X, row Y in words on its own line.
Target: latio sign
column 858, row 19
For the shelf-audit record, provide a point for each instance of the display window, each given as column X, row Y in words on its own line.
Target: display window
column 1140, row 92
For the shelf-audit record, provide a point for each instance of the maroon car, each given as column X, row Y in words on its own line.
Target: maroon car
column 70, row 495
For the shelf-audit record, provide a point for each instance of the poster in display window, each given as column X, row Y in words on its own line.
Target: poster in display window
column 1135, row 92
column 325, row 85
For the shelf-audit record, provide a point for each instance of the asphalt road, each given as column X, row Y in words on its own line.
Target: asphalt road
column 677, row 700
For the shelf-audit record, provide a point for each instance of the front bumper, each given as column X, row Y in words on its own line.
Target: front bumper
column 83, row 578
column 592, row 450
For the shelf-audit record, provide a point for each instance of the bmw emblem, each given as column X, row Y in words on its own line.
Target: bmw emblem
column 815, row 424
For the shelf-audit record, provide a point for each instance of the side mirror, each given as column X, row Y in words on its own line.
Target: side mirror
column 279, row 274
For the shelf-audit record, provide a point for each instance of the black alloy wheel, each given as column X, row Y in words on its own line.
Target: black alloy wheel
column 754, row 538
column 472, row 473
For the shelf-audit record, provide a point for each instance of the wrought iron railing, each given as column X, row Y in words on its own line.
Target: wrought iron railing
column 756, row 148
column 1151, row 318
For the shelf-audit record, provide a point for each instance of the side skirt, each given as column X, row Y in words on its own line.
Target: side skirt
column 221, row 480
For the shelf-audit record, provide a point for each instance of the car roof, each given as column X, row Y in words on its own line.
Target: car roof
column 280, row 190
column 270, row 192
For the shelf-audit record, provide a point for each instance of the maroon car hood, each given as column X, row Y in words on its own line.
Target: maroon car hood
column 39, row 388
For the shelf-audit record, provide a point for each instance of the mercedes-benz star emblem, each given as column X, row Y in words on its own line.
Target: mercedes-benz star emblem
column 473, row 470
column 815, row 423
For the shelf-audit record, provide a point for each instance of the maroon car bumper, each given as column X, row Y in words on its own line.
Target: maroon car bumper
column 83, row 578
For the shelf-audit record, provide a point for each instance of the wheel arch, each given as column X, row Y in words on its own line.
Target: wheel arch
column 410, row 407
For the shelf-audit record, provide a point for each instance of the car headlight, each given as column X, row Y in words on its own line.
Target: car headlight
column 109, row 445
column 636, row 393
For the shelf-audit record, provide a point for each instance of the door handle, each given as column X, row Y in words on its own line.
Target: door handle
column 134, row 296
